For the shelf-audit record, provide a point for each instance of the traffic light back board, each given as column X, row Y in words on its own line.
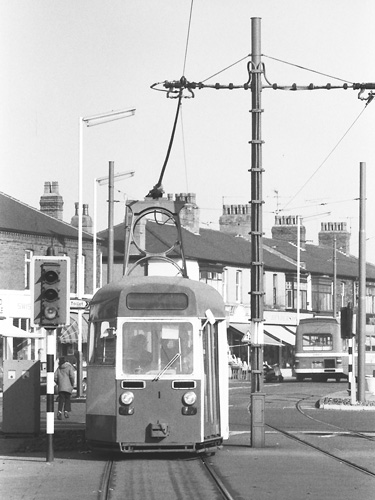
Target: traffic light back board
column 50, row 291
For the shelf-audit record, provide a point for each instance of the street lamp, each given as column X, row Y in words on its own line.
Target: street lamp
column 101, row 181
column 90, row 121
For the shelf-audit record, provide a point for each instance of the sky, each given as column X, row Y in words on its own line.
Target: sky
column 66, row 59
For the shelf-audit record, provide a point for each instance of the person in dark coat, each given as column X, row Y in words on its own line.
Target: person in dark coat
column 64, row 378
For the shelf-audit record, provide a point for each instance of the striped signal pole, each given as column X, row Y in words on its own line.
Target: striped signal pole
column 50, row 413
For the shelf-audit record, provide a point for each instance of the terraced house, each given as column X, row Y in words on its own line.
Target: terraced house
column 326, row 280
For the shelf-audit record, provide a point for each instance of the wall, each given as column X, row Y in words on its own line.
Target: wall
column 12, row 263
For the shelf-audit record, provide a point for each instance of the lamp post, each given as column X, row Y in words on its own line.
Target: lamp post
column 89, row 121
column 101, row 181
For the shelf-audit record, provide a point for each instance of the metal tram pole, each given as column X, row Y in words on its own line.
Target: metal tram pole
column 362, row 284
column 257, row 398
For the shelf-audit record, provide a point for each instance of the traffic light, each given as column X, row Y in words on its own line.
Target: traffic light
column 50, row 293
column 346, row 324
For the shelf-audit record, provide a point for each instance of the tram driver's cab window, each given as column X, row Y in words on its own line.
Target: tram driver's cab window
column 157, row 348
column 104, row 352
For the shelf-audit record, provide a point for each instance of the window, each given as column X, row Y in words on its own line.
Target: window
column 291, row 293
column 225, row 285
column 370, row 343
column 157, row 348
column 104, row 349
column 83, row 273
column 317, row 342
column 213, row 277
column 370, row 299
column 322, row 294
column 274, row 290
column 28, row 257
column 239, row 287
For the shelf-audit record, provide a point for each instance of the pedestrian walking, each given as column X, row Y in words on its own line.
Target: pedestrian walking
column 64, row 379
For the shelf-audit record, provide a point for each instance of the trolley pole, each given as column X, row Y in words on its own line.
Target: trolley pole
column 362, row 284
column 256, row 300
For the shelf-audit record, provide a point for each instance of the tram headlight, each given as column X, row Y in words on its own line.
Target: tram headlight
column 189, row 398
column 127, row 398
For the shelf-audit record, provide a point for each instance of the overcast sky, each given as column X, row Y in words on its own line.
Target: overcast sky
column 63, row 59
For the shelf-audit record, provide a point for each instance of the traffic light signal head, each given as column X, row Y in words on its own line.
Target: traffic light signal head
column 346, row 325
column 50, row 298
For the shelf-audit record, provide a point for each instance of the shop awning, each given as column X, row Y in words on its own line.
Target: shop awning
column 69, row 334
column 243, row 329
column 7, row 329
column 282, row 333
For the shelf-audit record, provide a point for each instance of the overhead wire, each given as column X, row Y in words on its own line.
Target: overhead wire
column 157, row 191
column 306, row 69
column 183, row 72
column 326, row 158
column 187, row 37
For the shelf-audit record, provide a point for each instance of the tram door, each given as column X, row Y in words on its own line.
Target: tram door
column 211, row 381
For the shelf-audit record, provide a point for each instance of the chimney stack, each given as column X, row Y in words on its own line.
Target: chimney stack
column 338, row 230
column 87, row 223
column 51, row 203
column 286, row 229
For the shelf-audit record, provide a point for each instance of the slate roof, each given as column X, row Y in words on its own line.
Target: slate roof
column 212, row 246
column 17, row 217
column 209, row 246
column 318, row 260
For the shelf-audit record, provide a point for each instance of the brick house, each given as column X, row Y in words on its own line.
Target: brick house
column 26, row 232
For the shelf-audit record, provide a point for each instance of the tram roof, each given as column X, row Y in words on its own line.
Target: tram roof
column 110, row 301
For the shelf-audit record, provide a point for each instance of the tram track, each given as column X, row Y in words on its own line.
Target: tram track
column 181, row 478
column 339, row 431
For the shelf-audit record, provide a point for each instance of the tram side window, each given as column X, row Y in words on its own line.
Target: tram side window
column 313, row 342
column 152, row 347
column 105, row 343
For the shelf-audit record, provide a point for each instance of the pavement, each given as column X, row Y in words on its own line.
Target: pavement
column 282, row 469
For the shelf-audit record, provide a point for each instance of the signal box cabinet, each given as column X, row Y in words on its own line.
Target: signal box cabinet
column 21, row 397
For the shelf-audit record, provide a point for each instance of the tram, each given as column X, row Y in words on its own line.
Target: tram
column 157, row 366
column 321, row 353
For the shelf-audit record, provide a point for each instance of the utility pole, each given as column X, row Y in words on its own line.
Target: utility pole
column 111, row 185
column 256, row 302
column 362, row 284
column 334, row 292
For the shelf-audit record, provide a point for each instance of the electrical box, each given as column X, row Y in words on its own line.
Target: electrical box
column 21, row 397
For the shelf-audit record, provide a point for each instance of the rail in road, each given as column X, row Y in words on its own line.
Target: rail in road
column 162, row 478
column 321, row 440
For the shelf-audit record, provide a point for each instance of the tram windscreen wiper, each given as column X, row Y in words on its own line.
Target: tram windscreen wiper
column 170, row 363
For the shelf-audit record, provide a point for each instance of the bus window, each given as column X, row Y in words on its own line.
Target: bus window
column 314, row 342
